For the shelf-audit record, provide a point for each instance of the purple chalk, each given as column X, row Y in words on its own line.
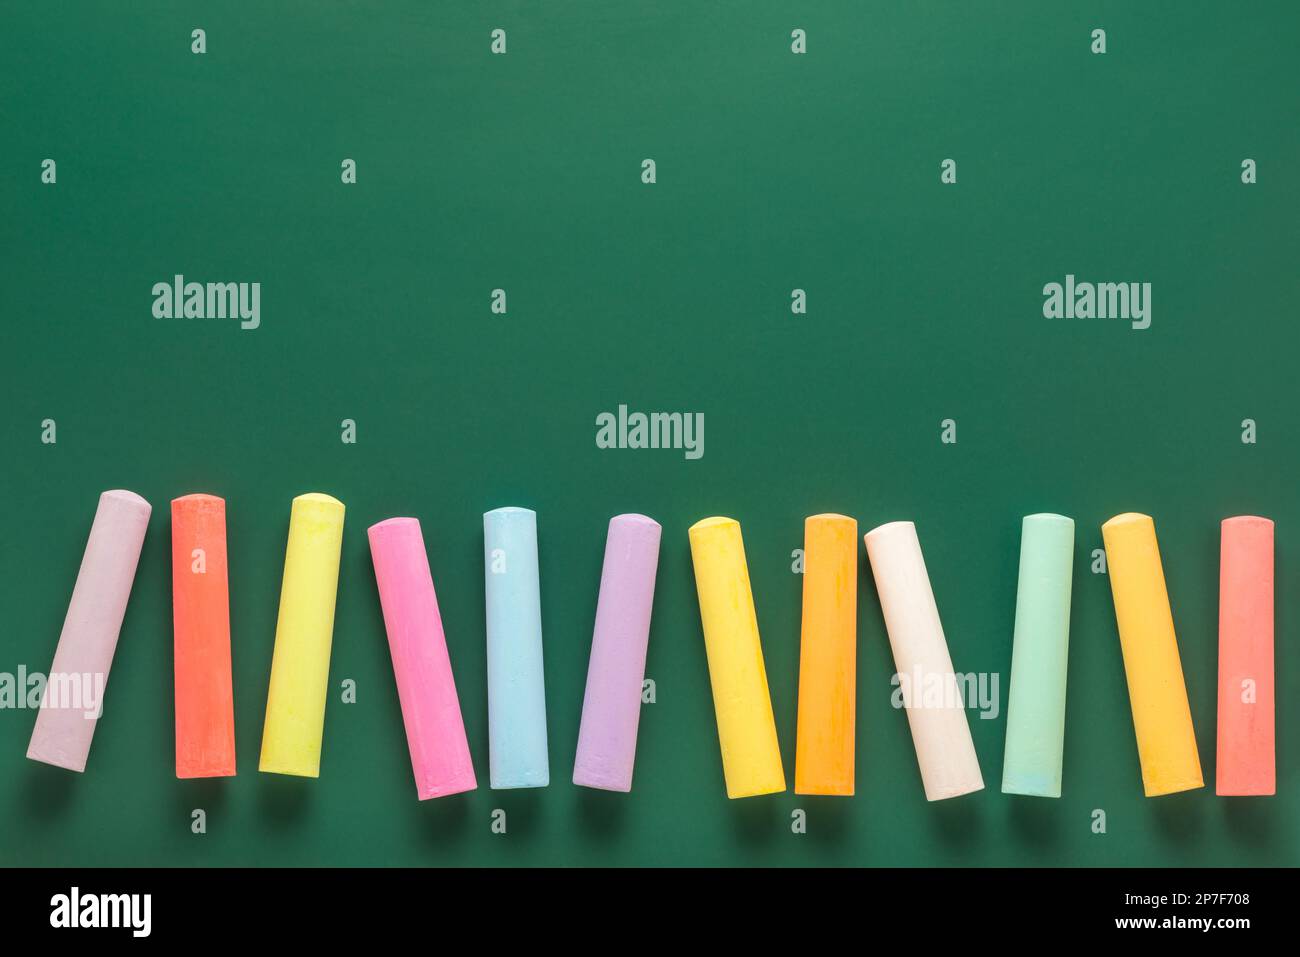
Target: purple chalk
column 612, row 706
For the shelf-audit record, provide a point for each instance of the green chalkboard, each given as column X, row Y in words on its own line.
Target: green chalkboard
column 522, row 171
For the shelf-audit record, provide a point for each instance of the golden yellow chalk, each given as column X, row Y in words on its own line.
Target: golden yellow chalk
column 1162, row 717
column 751, row 756
column 300, row 665
column 823, row 761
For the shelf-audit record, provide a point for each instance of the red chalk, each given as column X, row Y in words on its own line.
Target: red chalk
column 1245, row 762
column 205, row 706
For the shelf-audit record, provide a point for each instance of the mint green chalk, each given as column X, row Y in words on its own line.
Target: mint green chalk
column 1036, row 702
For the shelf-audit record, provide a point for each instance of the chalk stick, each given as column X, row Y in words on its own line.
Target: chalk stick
column 1245, row 754
column 824, row 749
column 931, row 695
column 73, row 695
column 304, row 634
column 611, row 706
column 205, row 703
column 517, row 755
column 1035, row 742
column 1162, row 718
column 751, row 755
column 426, row 689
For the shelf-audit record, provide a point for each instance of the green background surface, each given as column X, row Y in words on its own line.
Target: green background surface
column 521, row 171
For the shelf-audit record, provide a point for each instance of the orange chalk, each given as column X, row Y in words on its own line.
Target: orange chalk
column 205, row 708
column 1245, row 762
column 827, row 657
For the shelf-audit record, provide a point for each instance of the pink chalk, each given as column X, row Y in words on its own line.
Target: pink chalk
column 73, row 696
column 435, row 732
column 612, row 706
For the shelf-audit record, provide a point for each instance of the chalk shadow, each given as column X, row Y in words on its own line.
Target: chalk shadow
column 283, row 797
column 830, row 817
column 47, row 790
column 1035, row 820
column 603, row 812
column 754, row 818
column 209, row 794
column 524, row 807
column 1179, row 817
column 1252, row 820
column 443, row 820
column 956, row 820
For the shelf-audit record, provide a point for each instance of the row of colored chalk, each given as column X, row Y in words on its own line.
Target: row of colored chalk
column 752, row 765
column 296, row 698
column 824, row 755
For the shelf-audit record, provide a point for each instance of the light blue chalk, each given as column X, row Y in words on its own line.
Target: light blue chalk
column 516, row 687
column 1039, row 658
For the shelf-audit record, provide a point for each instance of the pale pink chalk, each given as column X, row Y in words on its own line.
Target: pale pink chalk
column 611, row 708
column 73, row 695
column 435, row 731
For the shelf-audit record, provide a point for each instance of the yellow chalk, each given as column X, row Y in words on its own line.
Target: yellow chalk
column 823, row 761
column 1162, row 718
column 751, row 756
column 295, row 703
